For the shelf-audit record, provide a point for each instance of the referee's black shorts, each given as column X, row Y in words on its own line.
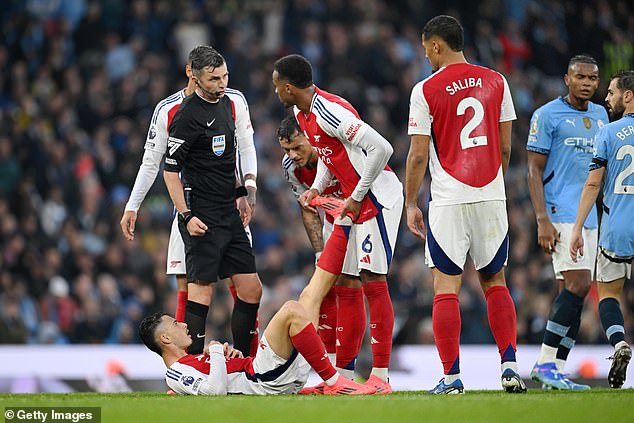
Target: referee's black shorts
column 224, row 250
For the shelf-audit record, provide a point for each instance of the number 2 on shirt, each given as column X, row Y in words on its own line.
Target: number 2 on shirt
column 619, row 186
column 478, row 114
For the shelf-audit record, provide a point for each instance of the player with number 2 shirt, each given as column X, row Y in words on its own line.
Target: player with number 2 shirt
column 460, row 121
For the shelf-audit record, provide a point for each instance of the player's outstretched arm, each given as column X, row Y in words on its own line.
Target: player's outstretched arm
column 588, row 199
column 506, row 130
column 417, row 159
column 313, row 226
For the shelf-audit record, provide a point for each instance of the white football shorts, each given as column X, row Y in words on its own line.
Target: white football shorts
column 371, row 243
column 176, row 249
column 608, row 271
column 291, row 374
column 561, row 256
column 478, row 229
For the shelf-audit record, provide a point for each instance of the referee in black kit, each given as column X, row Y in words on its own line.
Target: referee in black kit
column 202, row 145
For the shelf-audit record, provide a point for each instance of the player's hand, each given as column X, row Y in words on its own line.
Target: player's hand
column 208, row 346
column 304, row 199
column 351, row 206
column 415, row 222
column 576, row 244
column 196, row 227
column 245, row 210
column 231, row 352
column 127, row 224
column 547, row 236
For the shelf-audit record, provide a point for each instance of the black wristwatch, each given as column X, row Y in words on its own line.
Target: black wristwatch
column 185, row 216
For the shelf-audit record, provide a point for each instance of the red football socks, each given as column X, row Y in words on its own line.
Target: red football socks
column 308, row 343
column 446, row 323
column 334, row 253
column 351, row 323
column 328, row 321
column 381, row 322
column 181, row 304
column 502, row 319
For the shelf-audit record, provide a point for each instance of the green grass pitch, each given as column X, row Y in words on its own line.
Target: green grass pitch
column 598, row 405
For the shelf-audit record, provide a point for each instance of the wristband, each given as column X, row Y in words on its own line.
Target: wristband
column 185, row 216
column 241, row 191
column 250, row 183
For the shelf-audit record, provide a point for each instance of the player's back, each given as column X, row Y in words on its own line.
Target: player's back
column 460, row 107
column 615, row 144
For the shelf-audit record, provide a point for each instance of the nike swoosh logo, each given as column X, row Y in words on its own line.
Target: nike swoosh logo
column 211, row 123
column 199, row 335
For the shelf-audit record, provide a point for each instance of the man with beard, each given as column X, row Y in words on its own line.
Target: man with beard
column 612, row 165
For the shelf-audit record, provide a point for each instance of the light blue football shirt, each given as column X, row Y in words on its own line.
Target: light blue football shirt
column 614, row 148
column 566, row 136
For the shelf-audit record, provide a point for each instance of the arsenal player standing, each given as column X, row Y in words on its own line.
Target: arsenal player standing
column 460, row 121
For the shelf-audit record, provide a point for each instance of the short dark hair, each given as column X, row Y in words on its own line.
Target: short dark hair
column 288, row 127
column 582, row 58
column 204, row 56
column 147, row 331
column 447, row 28
column 624, row 80
column 295, row 69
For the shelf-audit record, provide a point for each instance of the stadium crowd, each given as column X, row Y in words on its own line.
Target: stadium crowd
column 80, row 79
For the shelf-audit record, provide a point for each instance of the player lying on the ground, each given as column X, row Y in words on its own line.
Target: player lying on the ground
column 288, row 348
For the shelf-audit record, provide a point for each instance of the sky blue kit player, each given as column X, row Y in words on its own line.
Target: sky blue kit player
column 566, row 135
column 560, row 147
column 612, row 169
column 614, row 147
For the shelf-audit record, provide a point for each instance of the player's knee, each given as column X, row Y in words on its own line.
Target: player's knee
column 250, row 290
column 294, row 310
column 580, row 286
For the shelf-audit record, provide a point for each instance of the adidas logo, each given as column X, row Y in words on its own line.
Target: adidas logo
column 373, row 341
column 346, row 390
column 365, row 259
column 324, row 327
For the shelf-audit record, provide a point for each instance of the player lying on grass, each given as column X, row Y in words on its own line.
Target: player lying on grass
column 289, row 347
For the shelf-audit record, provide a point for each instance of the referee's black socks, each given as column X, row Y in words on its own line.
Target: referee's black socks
column 243, row 324
column 196, row 319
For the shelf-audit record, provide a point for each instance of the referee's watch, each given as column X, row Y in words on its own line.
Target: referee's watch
column 185, row 216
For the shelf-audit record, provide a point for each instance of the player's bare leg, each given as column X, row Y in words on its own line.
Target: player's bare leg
column 446, row 324
column 290, row 329
column 502, row 320
column 199, row 294
column 245, row 311
column 313, row 294
column 613, row 324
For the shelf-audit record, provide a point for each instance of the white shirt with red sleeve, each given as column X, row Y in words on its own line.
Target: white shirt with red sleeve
column 460, row 106
column 343, row 142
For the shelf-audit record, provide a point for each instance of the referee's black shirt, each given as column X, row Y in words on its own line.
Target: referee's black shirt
column 202, row 146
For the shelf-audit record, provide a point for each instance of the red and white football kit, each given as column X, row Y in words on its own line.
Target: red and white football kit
column 344, row 143
column 342, row 317
column 460, row 107
column 265, row 374
column 156, row 146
